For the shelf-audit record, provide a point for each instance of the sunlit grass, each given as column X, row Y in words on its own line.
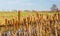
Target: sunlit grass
column 13, row 14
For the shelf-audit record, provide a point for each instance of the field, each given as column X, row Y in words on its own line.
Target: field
column 34, row 23
column 14, row 14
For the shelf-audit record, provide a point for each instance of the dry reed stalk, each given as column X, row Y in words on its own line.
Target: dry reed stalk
column 16, row 25
column 37, row 29
column 6, row 23
column 41, row 29
column 13, row 34
column 30, row 30
column 56, row 32
column 0, row 33
column 19, row 17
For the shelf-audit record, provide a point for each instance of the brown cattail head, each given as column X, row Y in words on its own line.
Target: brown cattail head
column 37, row 14
column 6, row 21
column 16, row 25
column 28, row 19
column 58, row 16
column 24, row 21
column 13, row 21
column 19, row 16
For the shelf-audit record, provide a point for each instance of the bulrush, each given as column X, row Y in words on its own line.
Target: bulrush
column 6, row 23
column 16, row 25
column 19, row 17
column 36, row 25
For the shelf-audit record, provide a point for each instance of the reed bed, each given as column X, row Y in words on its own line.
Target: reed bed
column 35, row 25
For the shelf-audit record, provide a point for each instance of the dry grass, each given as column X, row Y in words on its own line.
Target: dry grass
column 36, row 23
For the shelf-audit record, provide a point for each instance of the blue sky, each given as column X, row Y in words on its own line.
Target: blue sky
column 28, row 4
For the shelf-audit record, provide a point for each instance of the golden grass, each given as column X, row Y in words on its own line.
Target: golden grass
column 11, row 15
